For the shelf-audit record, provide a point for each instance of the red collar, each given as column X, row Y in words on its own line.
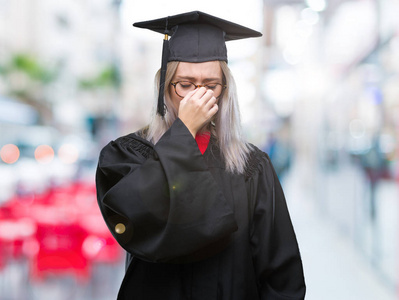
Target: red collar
column 202, row 140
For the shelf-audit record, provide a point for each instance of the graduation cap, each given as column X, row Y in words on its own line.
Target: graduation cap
column 195, row 37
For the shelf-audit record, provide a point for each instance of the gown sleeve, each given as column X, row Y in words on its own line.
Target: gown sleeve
column 164, row 205
column 275, row 252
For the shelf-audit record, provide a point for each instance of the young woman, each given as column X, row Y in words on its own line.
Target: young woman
column 199, row 211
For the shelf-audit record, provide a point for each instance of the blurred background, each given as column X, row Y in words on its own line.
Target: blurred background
column 319, row 92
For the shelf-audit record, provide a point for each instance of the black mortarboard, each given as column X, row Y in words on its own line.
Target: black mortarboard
column 195, row 37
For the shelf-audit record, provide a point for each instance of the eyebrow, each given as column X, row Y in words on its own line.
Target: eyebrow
column 189, row 78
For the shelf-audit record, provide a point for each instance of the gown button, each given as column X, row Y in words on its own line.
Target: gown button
column 120, row 228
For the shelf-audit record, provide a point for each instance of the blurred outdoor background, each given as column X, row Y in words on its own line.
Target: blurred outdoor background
column 319, row 92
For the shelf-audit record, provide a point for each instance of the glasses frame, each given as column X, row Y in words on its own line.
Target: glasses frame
column 224, row 86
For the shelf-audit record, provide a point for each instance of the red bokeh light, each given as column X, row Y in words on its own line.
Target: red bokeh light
column 44, row 154
column 9, row 153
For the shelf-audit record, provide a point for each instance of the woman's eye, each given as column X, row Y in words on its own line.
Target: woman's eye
column 211, row 87
column 185, row 86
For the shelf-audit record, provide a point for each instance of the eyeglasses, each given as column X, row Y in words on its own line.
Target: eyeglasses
column 182, row 88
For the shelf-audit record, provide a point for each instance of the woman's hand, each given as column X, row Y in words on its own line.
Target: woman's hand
column 197, row 108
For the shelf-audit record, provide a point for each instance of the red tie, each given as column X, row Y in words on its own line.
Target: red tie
column 202, row 140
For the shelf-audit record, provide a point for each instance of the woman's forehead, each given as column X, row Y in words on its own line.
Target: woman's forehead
column 209, row 69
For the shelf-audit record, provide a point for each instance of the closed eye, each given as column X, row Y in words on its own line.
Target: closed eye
column 185, row 84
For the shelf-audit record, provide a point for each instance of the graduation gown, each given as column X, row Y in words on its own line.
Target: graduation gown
column 191, row 229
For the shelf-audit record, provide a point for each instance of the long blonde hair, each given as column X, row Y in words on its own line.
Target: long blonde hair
column 227, row 129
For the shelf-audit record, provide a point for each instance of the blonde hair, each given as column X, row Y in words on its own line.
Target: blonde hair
column 227, row 130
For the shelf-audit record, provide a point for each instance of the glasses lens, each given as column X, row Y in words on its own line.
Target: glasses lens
column 184, row 87
column 216, row 88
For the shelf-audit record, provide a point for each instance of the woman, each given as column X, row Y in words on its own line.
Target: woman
column 199, row 211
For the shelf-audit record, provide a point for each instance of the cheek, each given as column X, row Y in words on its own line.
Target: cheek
column 174, row 99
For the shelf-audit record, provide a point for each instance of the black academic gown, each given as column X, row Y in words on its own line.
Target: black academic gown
column 191, row 229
